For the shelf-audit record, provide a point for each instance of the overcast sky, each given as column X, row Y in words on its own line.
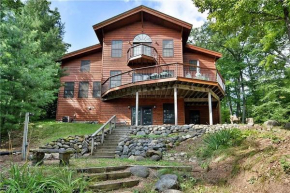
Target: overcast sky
column 80, row 15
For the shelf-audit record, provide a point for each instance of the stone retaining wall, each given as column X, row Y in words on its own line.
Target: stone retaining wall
column 166, row 136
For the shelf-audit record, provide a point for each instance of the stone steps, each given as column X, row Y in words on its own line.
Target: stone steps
column 108, row 176
column 101, row 169
column 115, row 185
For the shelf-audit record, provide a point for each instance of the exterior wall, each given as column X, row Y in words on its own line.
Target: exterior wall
column 80, row 106
column 126, row 34
column 119, row 107
column 204, row 113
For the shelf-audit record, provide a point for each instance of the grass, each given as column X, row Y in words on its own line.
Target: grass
column 41, row 180
column 46, row 131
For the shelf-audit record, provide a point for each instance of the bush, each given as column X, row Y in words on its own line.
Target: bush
column 49, row 180
column 220, row 140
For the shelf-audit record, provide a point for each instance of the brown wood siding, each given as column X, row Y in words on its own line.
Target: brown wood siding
column 126, row 34
column 119, row 107
column 80, row 106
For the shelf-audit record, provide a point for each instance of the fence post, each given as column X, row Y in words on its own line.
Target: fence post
column 92, row 148
column 25, row 134
column 110, row 127
column 103, row 135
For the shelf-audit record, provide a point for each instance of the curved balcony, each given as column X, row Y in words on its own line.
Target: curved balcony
column 142, row 54
column 189, row 77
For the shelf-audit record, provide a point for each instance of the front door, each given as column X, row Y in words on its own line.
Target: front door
column 144, row 115
column 194, row 117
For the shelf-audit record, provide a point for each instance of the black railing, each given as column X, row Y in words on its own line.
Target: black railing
column 141, row 49
column 161, row 72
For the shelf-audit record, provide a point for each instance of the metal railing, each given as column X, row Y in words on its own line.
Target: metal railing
column 163, row 71
column 142, row 49
column 111, row 121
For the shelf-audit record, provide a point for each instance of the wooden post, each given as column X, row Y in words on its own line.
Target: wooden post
column 25, row 134
column 111, row 126
column 210, row 108
column 103, row 135
column 175, row 106
column 220, row 113
column 137, row 104
column 92, row 146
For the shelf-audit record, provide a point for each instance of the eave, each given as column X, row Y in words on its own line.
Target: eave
column 203, row 50
column 82, row 52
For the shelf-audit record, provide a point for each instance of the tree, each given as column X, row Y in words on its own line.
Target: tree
column 31, row 43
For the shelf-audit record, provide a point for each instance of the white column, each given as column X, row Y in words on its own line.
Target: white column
column 175, row 106
column 210, row 108
column 137, row 104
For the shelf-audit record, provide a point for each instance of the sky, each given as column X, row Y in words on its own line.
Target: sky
column 80, row 15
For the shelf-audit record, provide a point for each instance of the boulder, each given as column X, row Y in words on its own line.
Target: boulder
column 141, row 133
column 172, row 191
column 271, row 123
column 287, row 126
column 167, row 181
column 155, row 158
column 136, row 158
column 140, row 171
column 151, row 152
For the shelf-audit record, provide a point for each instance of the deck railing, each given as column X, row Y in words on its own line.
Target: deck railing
column 112, row 123
column 161, row 72
column 142, row 49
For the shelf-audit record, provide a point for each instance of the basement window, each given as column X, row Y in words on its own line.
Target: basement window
column 168, row 113
column 69, row 89
column 83, row 89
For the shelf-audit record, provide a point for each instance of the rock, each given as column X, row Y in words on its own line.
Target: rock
column 136, row 158
column 47, row 156
column 55, row 155
column 150, row 153
column 155, row 158
column 270, row 123
column 167, row 181
column 141, row 133
column 171, row 191
column 125, row 150
column 287, row 126
column 140, row 171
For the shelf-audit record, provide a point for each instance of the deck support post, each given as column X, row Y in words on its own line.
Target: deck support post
column 137, row 105
column 220, row 112
column 210, row 108
column 175, row 106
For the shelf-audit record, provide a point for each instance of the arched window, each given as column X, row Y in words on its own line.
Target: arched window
column 145, row 48
column 142, row 38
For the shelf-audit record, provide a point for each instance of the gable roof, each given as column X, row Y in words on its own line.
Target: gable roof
column 203, row 50
column 82, row 52
column 142, row 13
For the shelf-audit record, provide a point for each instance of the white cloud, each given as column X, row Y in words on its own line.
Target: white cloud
column 181, row 9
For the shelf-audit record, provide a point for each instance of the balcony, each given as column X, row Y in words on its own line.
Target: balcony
column 142, row 54
column 158, row 77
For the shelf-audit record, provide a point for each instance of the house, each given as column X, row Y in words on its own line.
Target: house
column 143, row 64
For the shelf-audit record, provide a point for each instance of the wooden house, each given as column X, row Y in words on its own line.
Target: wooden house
column 143, row 64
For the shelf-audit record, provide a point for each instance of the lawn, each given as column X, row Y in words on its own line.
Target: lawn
column 42, row 132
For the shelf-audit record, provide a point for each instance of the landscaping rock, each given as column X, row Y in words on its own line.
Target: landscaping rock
column 140, row 171
column 271, row 123
column 155, row 158
column 167, row 181
column 150, row 153
column 141, row 133
column 171, row 191
column 287, row 126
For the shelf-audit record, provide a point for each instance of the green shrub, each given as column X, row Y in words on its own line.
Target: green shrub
column 39, row 179
column 220, row 140
column 285, row 165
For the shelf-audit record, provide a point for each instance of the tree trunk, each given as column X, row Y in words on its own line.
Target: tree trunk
column 244, row 97
column 287, row 20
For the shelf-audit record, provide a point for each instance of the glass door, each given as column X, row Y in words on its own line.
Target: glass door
column 144, row 115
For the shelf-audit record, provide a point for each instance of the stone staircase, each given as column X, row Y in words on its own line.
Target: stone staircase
column 103, row 179
column 108, row 148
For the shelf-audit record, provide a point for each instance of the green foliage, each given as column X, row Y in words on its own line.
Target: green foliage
column 220, row 140
column 31, row 43
column 27, row 179
column 285, row 163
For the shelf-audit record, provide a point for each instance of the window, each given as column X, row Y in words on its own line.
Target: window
column 83, row 89
column 168, row 48
column 117, row 48
column 85, row 65
column 116, row 80
column 96, row 89
column 168, row 113
column 193, row 62
column 69, row 89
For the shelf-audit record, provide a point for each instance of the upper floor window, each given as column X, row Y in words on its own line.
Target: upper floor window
column 69, row 89
column 115, row 80
column 193, row 64
column 83, row 89
column 85, row 65
column 117, row 48
column 168, row 48
column 96, row 89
